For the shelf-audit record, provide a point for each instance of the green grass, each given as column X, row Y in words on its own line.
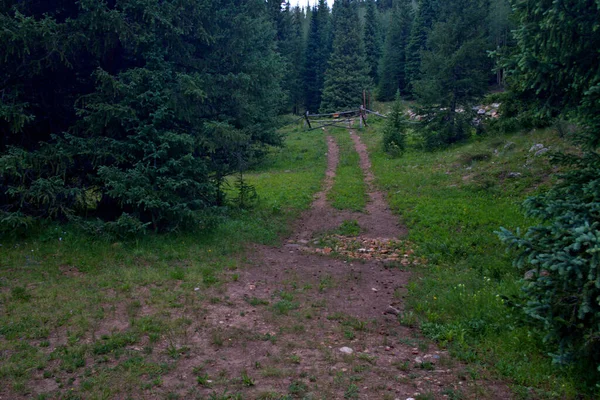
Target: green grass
column 452, row 202
column 349, row 189
column 72, row 303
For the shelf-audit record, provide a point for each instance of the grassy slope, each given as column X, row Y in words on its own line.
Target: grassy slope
column 51, row 312
column 452, row 202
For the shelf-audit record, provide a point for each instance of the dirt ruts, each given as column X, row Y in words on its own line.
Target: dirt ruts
column 286, row 318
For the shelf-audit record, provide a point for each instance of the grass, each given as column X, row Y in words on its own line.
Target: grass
column 72, row 303
column 349, row 189
column 452, row 202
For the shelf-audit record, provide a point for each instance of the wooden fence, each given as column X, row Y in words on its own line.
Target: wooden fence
column 341, row 119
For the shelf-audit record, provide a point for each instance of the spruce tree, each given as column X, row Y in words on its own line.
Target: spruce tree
column 347, row 73
column 372, row 40
column 392, row 75
column 422, row 24
column 555, row 64
column 454, row 72
column 131, row 113
column 318, row 50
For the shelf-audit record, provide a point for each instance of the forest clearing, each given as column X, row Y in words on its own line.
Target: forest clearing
column 258, row 309
column 245, row 199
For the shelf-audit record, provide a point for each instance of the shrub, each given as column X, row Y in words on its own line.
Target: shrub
column 394, row 132
column 561, row 289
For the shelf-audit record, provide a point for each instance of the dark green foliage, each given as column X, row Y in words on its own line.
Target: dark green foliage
column 453, row 73
column 131, row 113
column 295, row 49
column 393, row 67
column 500, row 25
column 394, row 133
column 554, row 70
column 561, row 295
column 318, row 50
column 347, row 72
column 421, row 26
column 372, row 40
column 289, row 24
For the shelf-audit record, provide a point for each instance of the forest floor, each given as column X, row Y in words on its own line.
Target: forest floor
column 319, row 317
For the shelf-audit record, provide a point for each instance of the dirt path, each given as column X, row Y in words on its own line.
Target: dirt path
column 298, row 322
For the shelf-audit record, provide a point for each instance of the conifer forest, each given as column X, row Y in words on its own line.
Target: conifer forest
column 156, row 154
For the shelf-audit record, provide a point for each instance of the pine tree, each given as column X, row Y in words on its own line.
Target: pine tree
column 318, row 50
column 454, row 72
column 394, row 132
column 152, row 105
column 500, row 25
column 422, row 24
column 290, row 45
column 555, row 64
column 372, row 40
column 392, row 75
column 347, row 73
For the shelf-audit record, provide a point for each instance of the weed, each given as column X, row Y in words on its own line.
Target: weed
column 112, row 343
column 367, row 357
column 453, row 394
column 295, row 359
column 427, row 365
column 217, row 337
column 19, row 293
column 351, row 392
column 246, row 379
column 402, row 365
column 297, row 388
column 203, row 380
column 348, row 228
column 283, row 307
column 255, row 301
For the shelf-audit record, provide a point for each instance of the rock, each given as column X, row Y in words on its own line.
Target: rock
column 303, row 241
column 536, row 147
column 541, row 151
column 374, row 290
column 529, row 275
column 418, row 360
column 392, row 310
column 346, row 350
column 514, row 174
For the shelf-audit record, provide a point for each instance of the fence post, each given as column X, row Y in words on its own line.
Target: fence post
column 306, row 120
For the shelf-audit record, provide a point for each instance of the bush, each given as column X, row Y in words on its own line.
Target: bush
column 561, row 290
column 394, row 132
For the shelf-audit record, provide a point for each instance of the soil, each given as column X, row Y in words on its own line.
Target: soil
column 313, row 303
column 280, row 325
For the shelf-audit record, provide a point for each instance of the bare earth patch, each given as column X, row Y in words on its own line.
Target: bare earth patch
column 300, row 323
column 317, row 318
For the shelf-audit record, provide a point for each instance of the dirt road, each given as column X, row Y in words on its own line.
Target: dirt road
column 318, row 318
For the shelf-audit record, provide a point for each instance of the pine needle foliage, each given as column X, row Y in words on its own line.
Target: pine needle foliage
column 394, row 132
column 347, row 72
column 555, row 65
column 131, row 114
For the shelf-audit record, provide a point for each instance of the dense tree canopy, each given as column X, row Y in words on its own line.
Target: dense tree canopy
column 393, row 64
column 347, row 72
column 132, row 112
